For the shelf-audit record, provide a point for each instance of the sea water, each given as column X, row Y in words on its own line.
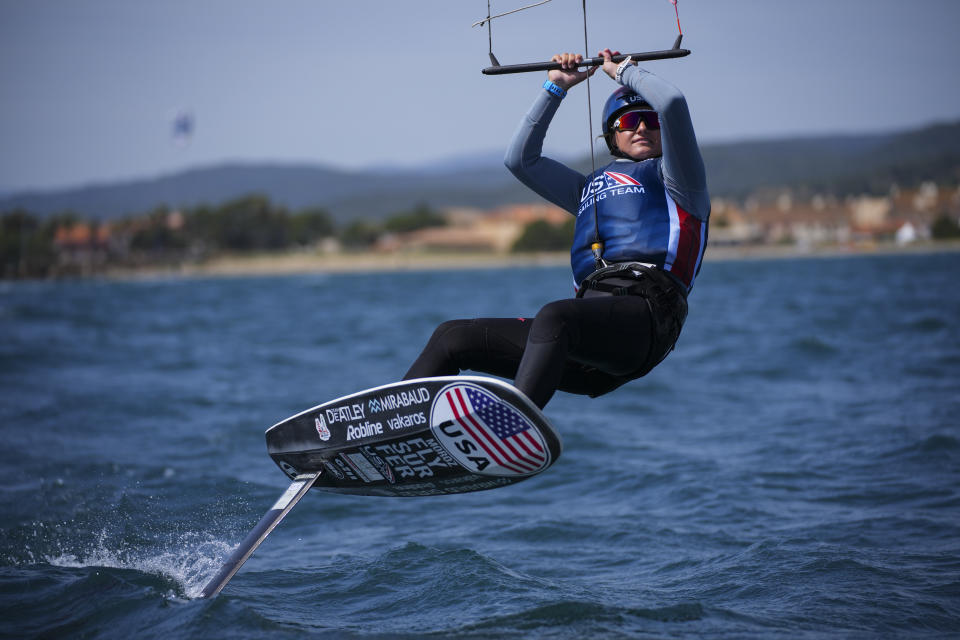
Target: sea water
column 791, row 470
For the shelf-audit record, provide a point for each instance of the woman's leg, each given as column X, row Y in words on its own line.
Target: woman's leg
column 585, row 345
column 582, row 346
column 489, row 345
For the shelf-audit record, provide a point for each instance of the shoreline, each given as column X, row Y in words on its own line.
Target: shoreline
column 292, row 263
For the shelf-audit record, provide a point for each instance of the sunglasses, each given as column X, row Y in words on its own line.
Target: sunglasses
column 630, row 120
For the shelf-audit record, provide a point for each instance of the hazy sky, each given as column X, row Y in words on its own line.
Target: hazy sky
column 89, row 88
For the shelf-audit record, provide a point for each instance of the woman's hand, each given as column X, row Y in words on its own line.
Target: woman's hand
column 568, row 75
column 609, row 66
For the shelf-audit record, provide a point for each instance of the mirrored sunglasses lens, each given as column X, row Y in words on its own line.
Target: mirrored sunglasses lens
column 628, row 121
column 631, row 120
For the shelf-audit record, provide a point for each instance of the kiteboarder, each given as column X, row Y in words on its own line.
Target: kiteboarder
column 639, row 238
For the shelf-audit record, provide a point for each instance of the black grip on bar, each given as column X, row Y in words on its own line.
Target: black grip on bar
column 586, row 62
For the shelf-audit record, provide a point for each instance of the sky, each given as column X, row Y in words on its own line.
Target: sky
column 90, row 89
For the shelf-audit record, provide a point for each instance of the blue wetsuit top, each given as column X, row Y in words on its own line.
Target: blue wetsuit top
column 653, row 211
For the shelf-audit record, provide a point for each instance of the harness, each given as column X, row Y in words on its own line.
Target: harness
column 632, row 278
column 665, row 297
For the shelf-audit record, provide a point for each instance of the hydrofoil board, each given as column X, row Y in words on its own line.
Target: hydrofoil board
column 430, row 436
column 424, row 437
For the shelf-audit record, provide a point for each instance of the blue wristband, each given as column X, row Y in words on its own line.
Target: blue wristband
column 555, row 90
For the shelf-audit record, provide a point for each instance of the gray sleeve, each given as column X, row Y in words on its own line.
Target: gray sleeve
column 550, row 179
column 683, row 171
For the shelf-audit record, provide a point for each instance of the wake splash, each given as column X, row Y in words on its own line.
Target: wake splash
column 190, row 560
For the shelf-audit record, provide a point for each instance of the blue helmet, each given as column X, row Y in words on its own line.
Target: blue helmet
column 623, row 99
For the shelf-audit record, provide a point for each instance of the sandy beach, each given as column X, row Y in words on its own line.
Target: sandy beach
column 368, row 262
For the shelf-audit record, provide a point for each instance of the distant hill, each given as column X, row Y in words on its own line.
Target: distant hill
column 837, row 164
column 842, row 165
column 345, row 193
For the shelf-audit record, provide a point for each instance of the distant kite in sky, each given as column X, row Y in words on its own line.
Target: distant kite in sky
column 182, row 128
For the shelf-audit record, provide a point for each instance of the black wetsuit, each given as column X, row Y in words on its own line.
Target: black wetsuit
column 587, row 346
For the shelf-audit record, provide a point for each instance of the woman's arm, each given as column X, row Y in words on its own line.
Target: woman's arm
column 683, row 171
column 550, row 179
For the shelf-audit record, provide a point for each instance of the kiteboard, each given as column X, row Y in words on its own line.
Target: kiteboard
column 422, row 437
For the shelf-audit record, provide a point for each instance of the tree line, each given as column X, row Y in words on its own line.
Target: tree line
column 65, row 244
column 33, row 246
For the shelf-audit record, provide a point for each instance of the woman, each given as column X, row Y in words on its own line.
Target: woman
column 639, row 238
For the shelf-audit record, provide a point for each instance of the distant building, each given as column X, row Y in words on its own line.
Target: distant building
column 81, row 247
column 476, row 230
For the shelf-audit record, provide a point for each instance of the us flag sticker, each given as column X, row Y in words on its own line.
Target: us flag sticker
column 485, row 434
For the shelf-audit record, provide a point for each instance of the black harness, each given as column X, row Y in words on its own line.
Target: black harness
column 665, row 297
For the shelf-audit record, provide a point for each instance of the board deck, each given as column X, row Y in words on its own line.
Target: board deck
column 430, row 436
